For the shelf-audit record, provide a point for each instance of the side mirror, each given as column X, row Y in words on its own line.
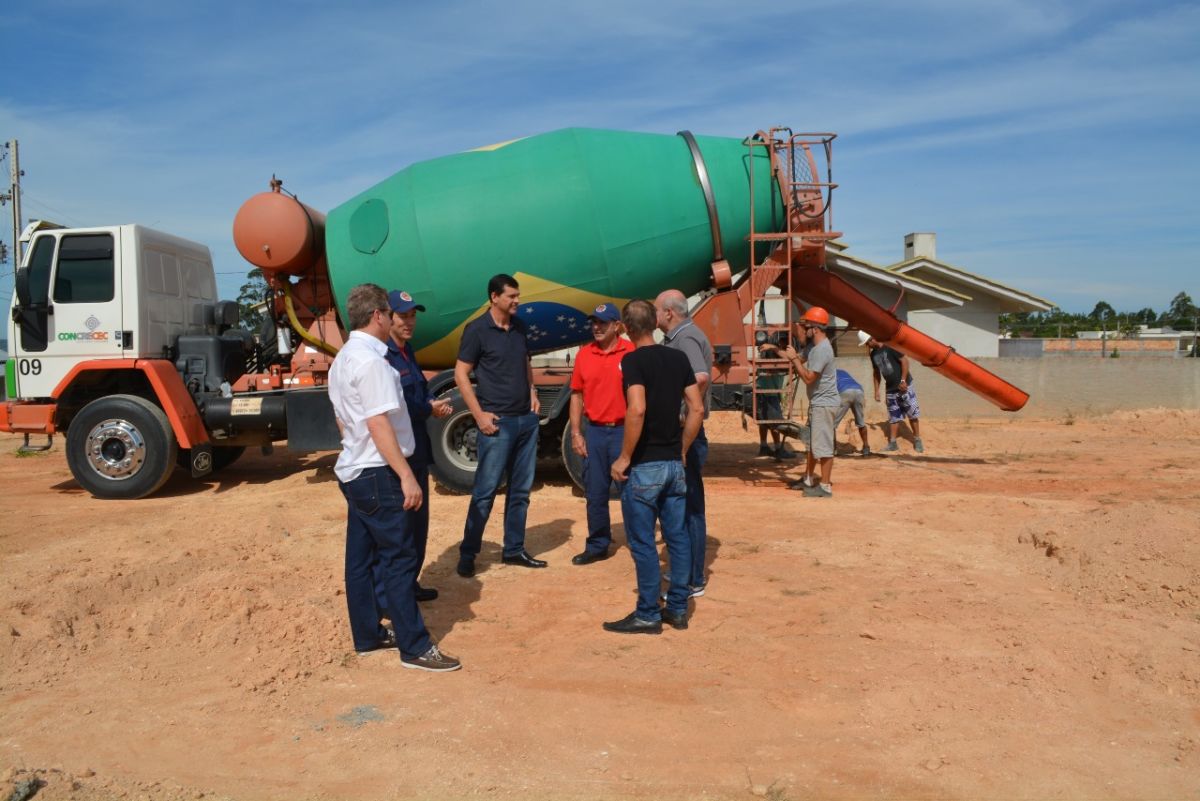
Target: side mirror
column 21, row 286
column 226, row 313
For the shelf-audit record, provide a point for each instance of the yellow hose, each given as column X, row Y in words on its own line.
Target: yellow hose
column 307, row 337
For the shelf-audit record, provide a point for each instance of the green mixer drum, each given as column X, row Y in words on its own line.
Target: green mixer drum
column 579, row 216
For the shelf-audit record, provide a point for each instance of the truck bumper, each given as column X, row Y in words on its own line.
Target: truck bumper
column 27, row 418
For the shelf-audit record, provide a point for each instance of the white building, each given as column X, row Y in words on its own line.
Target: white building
column 971, row 327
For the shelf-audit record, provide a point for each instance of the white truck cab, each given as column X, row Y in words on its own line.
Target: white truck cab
column 113, row 292
column 118, row 340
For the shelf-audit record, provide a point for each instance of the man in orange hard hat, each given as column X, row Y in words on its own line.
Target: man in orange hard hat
column 817, row 368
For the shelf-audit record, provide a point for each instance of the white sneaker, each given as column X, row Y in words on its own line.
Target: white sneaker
column 694, row 591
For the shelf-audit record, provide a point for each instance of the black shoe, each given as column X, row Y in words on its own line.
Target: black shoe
column 634, row 625
column 426, row 594
column 523, row 559
column 386, row 640
column 587, row 557
column 466, row 566
column 676, row 621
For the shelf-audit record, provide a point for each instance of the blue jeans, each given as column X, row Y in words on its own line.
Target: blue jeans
column 379, row 529
column 512, row 450
column 697, row 528
column 604, row 446
column 657, row 491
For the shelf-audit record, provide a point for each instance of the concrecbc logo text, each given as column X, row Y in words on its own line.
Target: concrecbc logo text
column 82, row 336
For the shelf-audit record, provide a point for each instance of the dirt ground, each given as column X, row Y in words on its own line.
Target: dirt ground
column 1014, row 614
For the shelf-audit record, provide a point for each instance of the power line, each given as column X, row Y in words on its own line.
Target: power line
column 67, row 218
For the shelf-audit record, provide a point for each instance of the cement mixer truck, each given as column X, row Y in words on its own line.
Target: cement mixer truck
column 118, row 338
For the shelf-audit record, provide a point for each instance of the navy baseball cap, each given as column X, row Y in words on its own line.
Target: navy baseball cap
column 605, row 312
column 402, row 302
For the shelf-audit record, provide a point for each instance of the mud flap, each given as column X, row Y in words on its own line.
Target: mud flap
column 200, row 460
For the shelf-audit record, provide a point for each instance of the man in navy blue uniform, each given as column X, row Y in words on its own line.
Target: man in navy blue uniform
column 420, row 408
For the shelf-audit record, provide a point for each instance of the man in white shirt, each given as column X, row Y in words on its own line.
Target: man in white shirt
column 381, row 491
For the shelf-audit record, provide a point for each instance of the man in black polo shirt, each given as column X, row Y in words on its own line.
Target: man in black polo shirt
column 505, row 406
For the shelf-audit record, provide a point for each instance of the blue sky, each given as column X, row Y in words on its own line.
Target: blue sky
column 1052, row 146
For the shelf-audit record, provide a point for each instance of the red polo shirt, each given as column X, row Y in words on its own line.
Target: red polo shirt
column 598, row 376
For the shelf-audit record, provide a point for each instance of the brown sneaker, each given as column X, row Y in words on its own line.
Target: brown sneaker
column 433, row 660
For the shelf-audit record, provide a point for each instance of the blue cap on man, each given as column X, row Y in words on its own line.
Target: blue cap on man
column 402, row 302
column 605, row 313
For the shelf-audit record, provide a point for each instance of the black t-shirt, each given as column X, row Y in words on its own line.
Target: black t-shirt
column 888, row 364
column 501, row 360
column 665, row 373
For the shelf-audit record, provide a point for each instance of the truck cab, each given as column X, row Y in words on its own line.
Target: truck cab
column 114, row 292
column 107, row 326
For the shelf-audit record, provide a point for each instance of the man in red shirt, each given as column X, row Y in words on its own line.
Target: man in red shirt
column 597, row 391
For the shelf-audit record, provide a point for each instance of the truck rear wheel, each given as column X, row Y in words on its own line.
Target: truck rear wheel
column 570, row 459
column 455, row 451
column 574, row 462
column 121, row 447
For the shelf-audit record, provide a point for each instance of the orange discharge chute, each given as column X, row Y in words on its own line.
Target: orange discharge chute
column 822, row 288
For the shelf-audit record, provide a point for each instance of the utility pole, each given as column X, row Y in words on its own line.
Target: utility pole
column 14, row 197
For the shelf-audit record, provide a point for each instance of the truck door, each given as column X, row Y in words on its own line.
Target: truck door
column 67, row 310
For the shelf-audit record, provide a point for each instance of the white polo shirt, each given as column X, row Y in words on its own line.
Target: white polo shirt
column 361, row 385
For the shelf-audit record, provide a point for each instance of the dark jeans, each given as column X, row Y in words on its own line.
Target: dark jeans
column 512, row 450
column 604, row 446
column 697, row 528
column 657, row 491
column 379, row 529
column 420, row 527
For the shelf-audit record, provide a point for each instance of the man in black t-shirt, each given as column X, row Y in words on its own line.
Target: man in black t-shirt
column 891, row 366
column 656, row 379
column 505, row 407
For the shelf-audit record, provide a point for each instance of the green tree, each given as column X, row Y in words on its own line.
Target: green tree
column 1102, row 312
column 1181, row 312
column 249, row 298
column 1145, row 317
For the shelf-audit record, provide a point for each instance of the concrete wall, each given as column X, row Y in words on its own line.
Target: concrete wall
column 1055, row 387
column 1133, row 348
column 1022, row 348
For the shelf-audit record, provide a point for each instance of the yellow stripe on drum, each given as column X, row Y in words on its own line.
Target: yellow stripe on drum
column 496, row 146
column 533, row 289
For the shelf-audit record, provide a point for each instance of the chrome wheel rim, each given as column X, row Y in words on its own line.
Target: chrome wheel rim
column 460, row 441
column 116, row 450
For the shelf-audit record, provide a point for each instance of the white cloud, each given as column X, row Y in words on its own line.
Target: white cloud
column 992, row 122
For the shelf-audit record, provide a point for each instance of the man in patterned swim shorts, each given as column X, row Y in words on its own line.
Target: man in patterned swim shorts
column 891, row 366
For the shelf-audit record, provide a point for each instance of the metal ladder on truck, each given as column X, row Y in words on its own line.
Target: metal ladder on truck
column 779, row 245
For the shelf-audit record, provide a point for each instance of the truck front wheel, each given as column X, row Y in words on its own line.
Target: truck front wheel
column 121, row 447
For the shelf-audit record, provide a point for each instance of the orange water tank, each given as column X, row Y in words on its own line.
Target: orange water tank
column 277, row 233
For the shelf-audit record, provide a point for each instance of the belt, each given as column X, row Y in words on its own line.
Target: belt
column 620, row 422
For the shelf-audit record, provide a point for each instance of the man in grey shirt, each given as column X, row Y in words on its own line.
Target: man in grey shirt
column 818, row 370
column 680, row 333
